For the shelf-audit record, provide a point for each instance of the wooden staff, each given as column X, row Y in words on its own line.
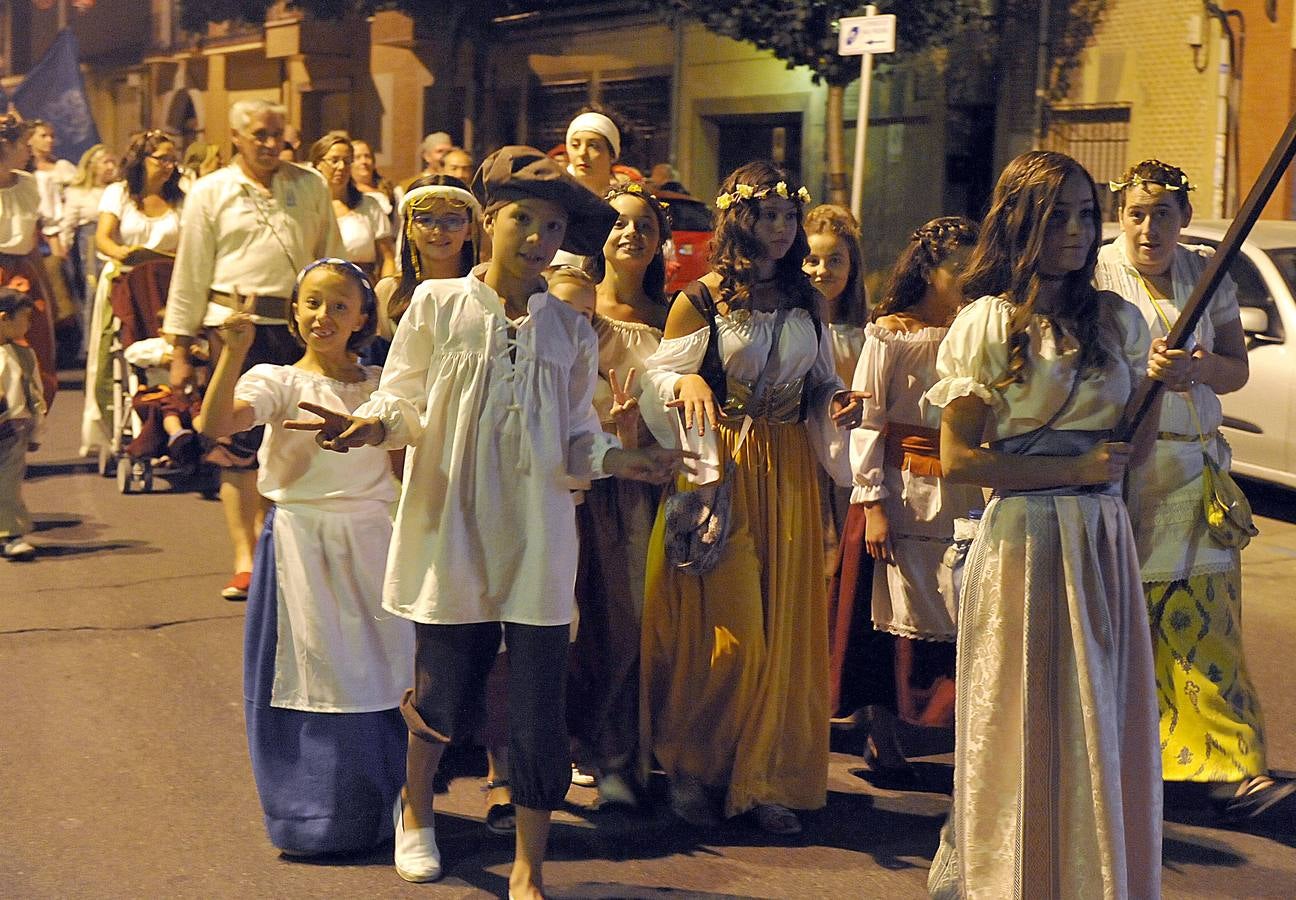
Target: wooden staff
column 1142, row 399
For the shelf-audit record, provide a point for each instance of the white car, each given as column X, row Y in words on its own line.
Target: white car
column 1260, row 419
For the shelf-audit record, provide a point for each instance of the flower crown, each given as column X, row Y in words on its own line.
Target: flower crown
column 637, row 189
column 1135, row 180
column 748, row 192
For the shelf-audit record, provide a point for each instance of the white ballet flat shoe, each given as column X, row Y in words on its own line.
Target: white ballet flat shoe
column 417, row 856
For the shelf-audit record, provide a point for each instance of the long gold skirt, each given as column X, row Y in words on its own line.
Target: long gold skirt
column 734, row 677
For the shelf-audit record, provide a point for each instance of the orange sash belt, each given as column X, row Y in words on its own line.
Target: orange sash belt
column 913, row 447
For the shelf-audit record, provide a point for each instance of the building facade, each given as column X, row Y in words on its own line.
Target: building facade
column 1161, row 78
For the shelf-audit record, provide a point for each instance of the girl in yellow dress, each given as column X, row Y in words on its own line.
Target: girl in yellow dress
column 734, row 683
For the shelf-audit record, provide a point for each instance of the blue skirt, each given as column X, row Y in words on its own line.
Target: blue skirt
column 327, row 781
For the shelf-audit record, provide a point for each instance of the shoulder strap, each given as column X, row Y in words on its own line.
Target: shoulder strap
column 712, row 369
column 758, row 388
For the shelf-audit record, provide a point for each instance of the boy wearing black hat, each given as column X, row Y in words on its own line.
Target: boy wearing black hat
column 490, row 382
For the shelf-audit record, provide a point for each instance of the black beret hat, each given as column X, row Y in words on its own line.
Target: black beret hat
column 518, row 173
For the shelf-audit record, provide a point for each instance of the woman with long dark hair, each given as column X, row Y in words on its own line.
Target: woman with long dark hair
column 734, row 685
column 139, row 217
column 616, row 517
column 1057, row 764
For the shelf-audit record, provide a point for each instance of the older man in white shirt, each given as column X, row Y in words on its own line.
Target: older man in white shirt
column 247, row 229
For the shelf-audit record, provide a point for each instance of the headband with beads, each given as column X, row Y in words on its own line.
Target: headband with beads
column 750, row 192
column 416, row 197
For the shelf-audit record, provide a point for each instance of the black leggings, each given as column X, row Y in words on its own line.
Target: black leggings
column 451, row 663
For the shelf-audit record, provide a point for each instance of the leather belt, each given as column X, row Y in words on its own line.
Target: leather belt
column 1175, row 436
column 265, row 307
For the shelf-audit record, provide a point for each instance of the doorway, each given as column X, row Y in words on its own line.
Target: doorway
column 772, row 136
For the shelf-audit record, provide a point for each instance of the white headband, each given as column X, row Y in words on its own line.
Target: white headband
column 441, row 190
column 599, row 124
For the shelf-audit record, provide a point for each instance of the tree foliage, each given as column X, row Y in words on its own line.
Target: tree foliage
column 804, row 32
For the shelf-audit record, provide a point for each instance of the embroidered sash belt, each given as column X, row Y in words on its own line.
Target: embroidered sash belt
column 915, row 448
column 781, row 403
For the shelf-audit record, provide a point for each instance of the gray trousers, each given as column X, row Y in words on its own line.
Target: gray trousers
column 15, row 520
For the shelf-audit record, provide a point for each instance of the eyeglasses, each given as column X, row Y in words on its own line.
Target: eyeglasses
column 165, row 159
column 336, row 160
column 445, row 223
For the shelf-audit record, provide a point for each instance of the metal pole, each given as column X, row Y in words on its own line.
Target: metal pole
column 1041, row 76
column 861, row 127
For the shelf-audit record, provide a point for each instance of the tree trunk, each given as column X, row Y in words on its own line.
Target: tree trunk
column 838, row 183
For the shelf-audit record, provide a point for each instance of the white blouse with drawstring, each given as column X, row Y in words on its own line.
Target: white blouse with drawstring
column 486, row 529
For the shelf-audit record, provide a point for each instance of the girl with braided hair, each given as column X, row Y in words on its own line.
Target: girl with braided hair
column 902, row 511
column 1056, row 759
column 439, row 219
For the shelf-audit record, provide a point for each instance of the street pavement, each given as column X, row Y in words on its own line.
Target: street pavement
column 124, row 769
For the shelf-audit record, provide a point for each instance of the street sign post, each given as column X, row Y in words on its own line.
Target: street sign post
column 864, row 36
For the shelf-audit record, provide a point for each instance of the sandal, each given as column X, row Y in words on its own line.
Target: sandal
column 772, row 818
column 1269, row 805
column 691, row 801
column 501, row 818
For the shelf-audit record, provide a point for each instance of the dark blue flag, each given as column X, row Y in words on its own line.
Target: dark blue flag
column 53, row 91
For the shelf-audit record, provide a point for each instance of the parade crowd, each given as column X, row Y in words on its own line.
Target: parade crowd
column 488, row 482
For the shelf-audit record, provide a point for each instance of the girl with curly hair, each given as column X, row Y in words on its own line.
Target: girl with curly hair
column 1056, row 760
column 734, row 697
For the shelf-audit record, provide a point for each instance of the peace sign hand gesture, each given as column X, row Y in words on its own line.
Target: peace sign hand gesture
column 339, row 432
column 238, row 330
column 625, row 408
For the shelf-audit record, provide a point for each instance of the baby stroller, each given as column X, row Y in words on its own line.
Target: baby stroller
column 141, row 396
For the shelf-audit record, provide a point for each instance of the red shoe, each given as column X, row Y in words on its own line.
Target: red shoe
column 237, row 589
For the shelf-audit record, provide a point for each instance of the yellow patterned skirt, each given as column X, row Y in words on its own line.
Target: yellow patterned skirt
column 734, row 668
column 1211, row 726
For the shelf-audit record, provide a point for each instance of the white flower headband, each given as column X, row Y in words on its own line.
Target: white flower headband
column 748, row 192
column 1136, row 180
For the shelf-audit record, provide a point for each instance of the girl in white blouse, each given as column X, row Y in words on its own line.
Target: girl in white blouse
column 490, row 382
column 1057, row 764
column 734, row 686
column 324, row 667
